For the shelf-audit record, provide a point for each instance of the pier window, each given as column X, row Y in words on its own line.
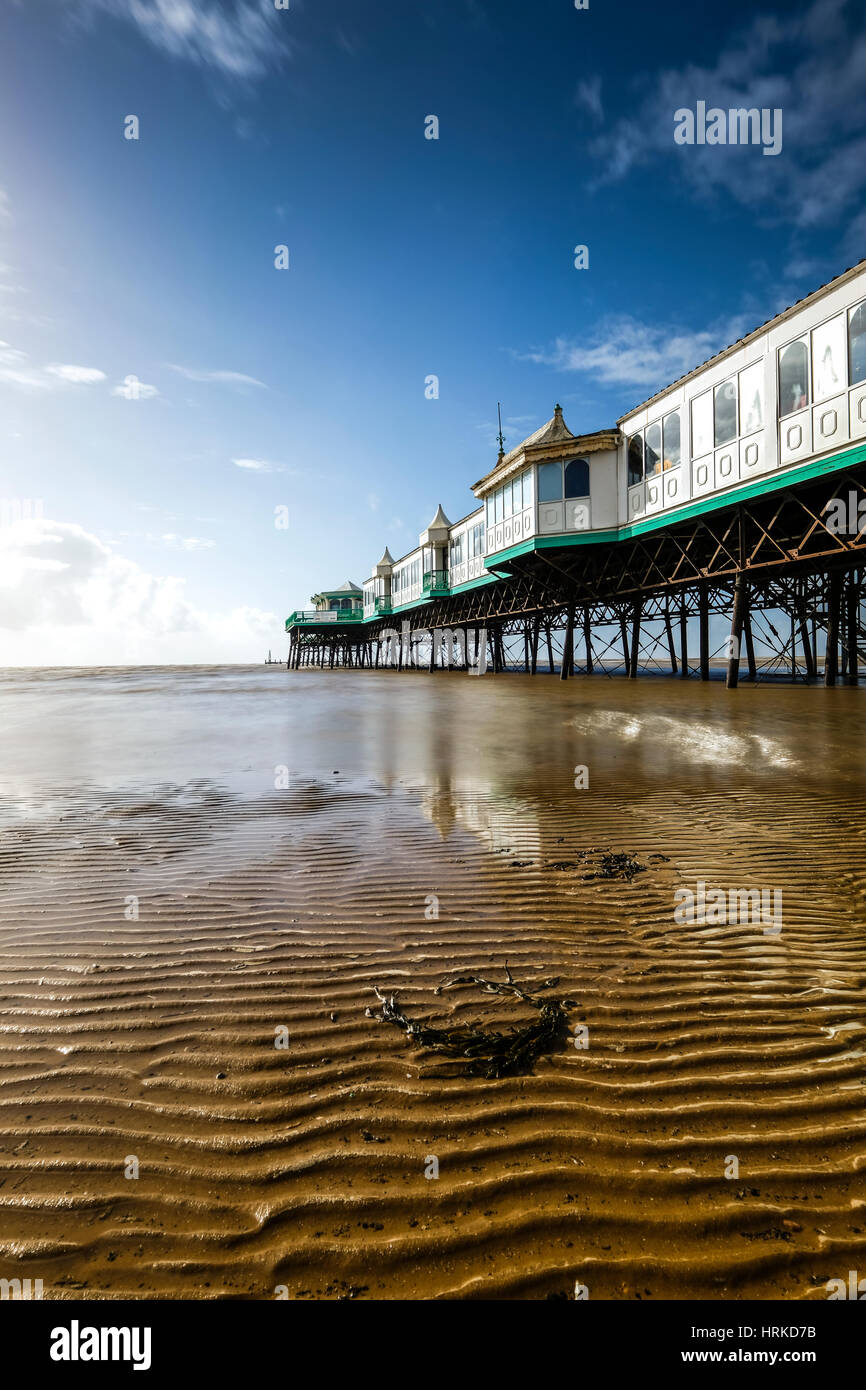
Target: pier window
column 702, row 424
column 497, row 504
column 506, row 501
column 653, row 450
column 828, row 358
column 793, row 378
column 577, row 478
column 550, row 482
column 456, row 550
column 635, row 461
column 752, row 398
column 725, row 413
column 672, row 448
column 857, row 344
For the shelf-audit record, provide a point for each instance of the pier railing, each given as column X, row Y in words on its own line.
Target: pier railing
column 314, row 616
column 435, row 582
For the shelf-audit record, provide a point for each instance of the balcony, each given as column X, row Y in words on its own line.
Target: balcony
column 382, row 605
column 435, row 583
column 315, row 617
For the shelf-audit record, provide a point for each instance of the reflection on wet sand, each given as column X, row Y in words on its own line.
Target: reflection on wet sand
column 166, row 908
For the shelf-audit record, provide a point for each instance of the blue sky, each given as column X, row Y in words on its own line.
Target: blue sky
column 154, row 259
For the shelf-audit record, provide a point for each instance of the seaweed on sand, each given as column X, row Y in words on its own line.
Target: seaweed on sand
column 486, row 1052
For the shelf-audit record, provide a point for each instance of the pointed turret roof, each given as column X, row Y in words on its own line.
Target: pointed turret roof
column 440, row 519
column 387, row 558
column 550, row 441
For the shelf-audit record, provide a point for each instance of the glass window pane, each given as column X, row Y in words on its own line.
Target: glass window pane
column 527, row 488
column 549, row 482
column 793, row 378
column 577, row 478
column 828, row 358
column 653, row 461
column 671, row 449
column 506, row 501
column 516, row 495
column 702, row 424
column 752, row 399
column 725, row 412
column 497, row 504
column 857, row 344
column 635, row 459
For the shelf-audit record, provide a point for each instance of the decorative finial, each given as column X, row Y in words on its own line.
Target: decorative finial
column 501, row 440
column 557, row 409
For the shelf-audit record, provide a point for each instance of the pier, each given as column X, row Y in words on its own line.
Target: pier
column 737, row 493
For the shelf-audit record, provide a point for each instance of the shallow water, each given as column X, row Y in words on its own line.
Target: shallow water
column 192, row 859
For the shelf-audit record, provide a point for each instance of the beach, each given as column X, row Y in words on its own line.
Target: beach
column 206, row 872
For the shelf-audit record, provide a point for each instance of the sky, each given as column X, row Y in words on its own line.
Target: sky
column 193, row 440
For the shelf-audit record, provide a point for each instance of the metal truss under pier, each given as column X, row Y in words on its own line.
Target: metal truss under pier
column 788, row 579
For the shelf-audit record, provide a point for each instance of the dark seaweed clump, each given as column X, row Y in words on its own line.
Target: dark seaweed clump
column 486, row 1052
column 618, row 866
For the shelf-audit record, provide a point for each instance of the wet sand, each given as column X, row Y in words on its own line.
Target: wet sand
column 263, row 908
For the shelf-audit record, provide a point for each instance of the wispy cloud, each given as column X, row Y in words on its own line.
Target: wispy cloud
column 588, row 96
column 17, row 370
column 258, row 466
column 235, row 38
column 186, row 542
column 222, row 377
column 812, row 65
column 78, row 376
column 623, row 351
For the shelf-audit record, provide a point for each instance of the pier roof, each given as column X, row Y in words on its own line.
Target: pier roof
column 548, row 440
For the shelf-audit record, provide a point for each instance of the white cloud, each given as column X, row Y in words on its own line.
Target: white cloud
column 812, row 65
column 624, row 351
column 131, row 389
column 243, row 39
column 16, row 370
column 227, row 378
column 187, row 542
column 588, row 95
column 258, row 465
column 67, row 599
column 78, row 376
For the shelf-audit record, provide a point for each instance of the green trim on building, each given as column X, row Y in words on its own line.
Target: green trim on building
column 768, row 482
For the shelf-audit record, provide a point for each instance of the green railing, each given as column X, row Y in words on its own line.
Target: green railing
column 383, row 605
column 316, row 617
column 435, row 582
